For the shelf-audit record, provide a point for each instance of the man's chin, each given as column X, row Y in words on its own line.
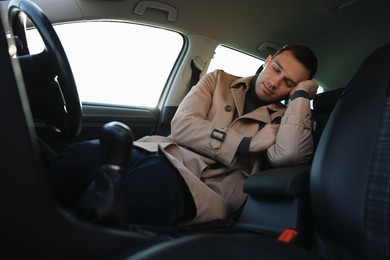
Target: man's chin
column 275, row 100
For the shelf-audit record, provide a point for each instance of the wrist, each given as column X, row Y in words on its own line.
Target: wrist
column 300, row 93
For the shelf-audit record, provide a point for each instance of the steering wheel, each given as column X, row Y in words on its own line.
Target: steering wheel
column 48, row 77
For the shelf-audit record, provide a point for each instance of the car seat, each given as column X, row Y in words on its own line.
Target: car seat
column 349, row 184
column 277, row 197
column 323, row 105
column 31, row 224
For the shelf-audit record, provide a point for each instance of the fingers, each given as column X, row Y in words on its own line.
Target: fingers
column 310, row 86
column 264, row 138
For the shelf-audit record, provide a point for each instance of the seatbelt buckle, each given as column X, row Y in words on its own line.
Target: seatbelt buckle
column 288, row 236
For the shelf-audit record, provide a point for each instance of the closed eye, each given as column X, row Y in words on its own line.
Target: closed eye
column 276, row 68
column 290, row 83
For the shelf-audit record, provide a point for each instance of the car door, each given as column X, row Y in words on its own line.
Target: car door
column 121, row 72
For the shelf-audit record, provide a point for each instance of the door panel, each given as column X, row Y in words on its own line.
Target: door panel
column 142, row 121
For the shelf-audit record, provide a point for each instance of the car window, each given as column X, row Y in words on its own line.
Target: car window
column 117, row 63
column 234, row 62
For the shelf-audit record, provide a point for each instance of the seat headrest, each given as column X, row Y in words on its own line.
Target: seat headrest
column 326, row 101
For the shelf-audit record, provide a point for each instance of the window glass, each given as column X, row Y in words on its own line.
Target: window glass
column 117, row 63
column 234, row 62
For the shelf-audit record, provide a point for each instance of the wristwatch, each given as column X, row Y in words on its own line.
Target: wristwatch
column 300, row 93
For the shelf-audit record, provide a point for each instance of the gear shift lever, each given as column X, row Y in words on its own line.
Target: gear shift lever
column 104, row 202
column 115, row 143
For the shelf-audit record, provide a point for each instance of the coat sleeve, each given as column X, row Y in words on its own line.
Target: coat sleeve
column 294, row 142
column 198, row 120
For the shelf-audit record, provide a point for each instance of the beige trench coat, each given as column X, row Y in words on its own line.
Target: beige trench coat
column 207, row 130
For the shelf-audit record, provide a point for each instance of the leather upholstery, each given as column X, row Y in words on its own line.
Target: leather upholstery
column 342, row 165
column 323, row 105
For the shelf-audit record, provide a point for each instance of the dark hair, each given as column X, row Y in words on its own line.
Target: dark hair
column 304, row 55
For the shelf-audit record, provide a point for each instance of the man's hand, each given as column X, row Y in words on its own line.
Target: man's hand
column 264, row 138
column 310, row 86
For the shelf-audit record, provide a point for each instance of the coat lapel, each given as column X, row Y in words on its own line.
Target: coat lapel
column 239, row 92
column 265, row 114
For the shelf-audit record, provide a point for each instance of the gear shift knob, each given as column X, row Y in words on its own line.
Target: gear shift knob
column 104, row 201
column 116, row 142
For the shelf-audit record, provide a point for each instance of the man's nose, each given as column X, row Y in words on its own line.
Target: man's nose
column 276, row 81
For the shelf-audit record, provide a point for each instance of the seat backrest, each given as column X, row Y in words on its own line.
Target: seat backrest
column 350, row 175
column 323, row 105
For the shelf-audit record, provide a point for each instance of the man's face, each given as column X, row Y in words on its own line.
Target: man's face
column 279, row 76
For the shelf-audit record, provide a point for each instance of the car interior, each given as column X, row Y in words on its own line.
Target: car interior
column 335, row 207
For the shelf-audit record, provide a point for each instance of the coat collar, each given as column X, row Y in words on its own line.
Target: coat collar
column 239, row 88
column 265, row 113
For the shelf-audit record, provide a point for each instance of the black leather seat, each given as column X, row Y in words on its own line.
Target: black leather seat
column 349, row 184
column 323, row 105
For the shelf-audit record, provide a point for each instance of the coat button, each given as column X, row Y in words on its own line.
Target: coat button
column 228, row 108
column 202, row 179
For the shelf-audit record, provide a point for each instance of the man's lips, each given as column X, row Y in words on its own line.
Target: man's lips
column 267, row 90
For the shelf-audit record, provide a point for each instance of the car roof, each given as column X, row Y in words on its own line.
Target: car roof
column 341, row 32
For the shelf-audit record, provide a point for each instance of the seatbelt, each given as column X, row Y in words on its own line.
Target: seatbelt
column 195, row 74
column 197, row 66
column 164, row 128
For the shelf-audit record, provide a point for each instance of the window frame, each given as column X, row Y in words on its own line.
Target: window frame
column 176, row 36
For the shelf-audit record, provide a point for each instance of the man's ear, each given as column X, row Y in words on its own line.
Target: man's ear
column 268, row 59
